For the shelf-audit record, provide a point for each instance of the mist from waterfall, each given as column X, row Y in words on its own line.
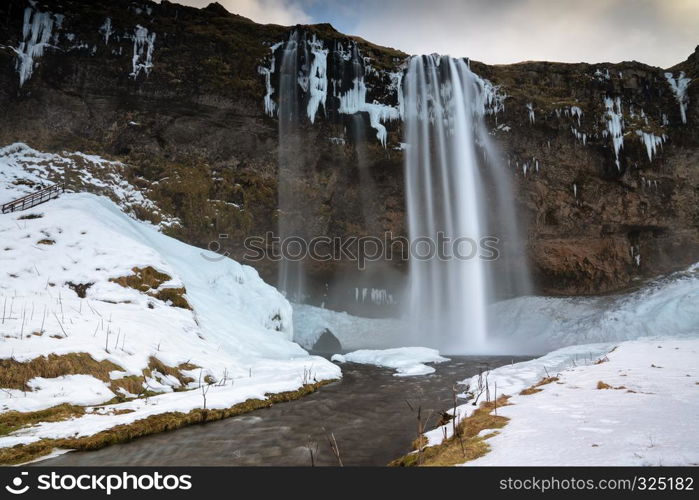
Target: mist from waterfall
column 456, row 185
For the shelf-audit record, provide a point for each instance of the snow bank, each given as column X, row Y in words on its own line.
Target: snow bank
column 530, row 325
column 646, row 418
column 407, row 361
column 238, row 332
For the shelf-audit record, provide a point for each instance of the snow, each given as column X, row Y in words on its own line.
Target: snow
column 666, row 307
column 318, row 79
column 81, row 390
column 615, row 125
column 354, row 101
column 22, row 169
column 647, row 418
column 407, row 361
column 143, row 46
column 679, row 88
column 36, row 33
column 239, row 330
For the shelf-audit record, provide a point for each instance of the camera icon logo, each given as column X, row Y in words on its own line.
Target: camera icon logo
column 16, row 487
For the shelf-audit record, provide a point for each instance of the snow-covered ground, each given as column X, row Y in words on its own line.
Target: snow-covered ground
column 407, row 361
column 238, row 332
column 648, row 417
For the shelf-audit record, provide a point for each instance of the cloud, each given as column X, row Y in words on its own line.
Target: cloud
column 284, row 12
column 656, row 32
column 505, row 31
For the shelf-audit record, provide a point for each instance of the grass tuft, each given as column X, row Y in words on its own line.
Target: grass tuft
column 466, row 445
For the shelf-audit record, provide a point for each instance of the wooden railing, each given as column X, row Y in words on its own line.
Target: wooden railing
column 34, row 199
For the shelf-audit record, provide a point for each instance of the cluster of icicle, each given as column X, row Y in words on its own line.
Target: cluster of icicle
column 143, row 46
column 36, row 34
column 679, row 88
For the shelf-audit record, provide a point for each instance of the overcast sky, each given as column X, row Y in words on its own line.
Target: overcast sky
column 658, row 32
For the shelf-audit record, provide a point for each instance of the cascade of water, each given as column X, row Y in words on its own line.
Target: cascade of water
column 290, row 160
column 447, row 193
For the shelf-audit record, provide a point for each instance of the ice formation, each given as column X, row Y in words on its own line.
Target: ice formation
column 575, row 111
column 270, row 105
column 317, row 78
column 354, row 101
column 615, row 125
column 106, row 30
column 530, row 109
column 378, row 296
column 679, row 88
column 652, row 142
column 143, row 45
column 36, row 33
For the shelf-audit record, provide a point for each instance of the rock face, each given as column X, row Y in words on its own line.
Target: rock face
column 604, row 156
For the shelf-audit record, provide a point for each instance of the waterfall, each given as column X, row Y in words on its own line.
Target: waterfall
column 290, row 160
column 454, row 184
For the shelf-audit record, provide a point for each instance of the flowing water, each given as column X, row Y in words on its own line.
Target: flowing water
column 366, row 411
column 291, row 161
column 450, row 169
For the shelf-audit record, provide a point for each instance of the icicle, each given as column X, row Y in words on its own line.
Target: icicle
column 576, row 112
column 354, row 101
column 575, row 190
column 106, row 30
column 679, row 88
column 318, row 79
column 530, row 109
column 36, row 33
column 615, row 125
column 143, row 45
column 651, row 141
column 270, row 105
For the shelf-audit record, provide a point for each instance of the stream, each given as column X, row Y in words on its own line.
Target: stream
column 366, row 411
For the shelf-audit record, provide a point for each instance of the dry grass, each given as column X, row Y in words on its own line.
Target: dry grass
column 535, row 388
column 12, row 420
column 603, row 385
column 46, row 241
column 15, row 374
column 465, row 445
column 150, row 425
column 148, row 280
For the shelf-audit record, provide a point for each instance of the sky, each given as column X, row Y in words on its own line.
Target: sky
column 658, row 32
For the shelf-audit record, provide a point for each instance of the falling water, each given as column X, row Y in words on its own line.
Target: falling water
column 447, row 176
column 291, row 221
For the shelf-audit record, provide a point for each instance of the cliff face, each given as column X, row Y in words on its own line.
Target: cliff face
column 604, row 157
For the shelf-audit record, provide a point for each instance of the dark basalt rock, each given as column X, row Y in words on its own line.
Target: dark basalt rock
column 327, row 343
